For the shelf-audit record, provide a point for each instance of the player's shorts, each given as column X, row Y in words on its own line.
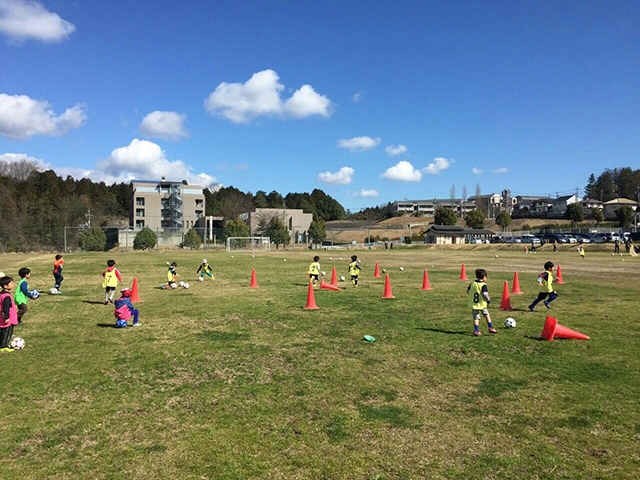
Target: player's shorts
column 314, row 276
column 476, row 313
column 543, row 295
column 110, row 289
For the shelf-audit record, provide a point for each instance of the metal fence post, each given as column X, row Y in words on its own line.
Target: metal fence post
column 65, row 239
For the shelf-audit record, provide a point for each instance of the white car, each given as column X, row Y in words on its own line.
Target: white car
column 512, row 240
column 527, row 238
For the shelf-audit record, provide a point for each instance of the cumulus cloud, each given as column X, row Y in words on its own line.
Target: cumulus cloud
column 395, row 150
column 341, row 177
column 22, row 20
column 260, row 96
column 358, row 97
column 477, row 171
column 402, row 172
column 366, row 194
column 22, row 117
column 438, row 165
column 358, row 144
column 501, row 170
column 23, row 157
column 164, row 125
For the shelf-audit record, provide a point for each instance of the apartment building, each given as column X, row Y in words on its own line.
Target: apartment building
column 165, row 204
column 295, row 220
column 428, row 207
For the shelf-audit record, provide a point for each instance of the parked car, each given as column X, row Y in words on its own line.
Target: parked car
column 528, row 238
column 496, row 239
column 571, row 239
column 512, row 240
column 583, row 238
column 600, row 238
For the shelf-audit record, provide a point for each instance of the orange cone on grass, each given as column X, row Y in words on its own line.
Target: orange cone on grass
column 463, row 273
column 425, row 281
column 334, row 277
column 311, row 299
column 376, row 273
column 559, row 280
column 254, row 281
column 134, row 291
column 327, row 286
column 387, row 288
column 505, row 304
column 552, row 329
column 516, row 285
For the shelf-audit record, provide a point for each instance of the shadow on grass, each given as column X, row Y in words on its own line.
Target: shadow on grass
column 440, row 330
column 531, row 337
column 93, row 302
column 106, row 325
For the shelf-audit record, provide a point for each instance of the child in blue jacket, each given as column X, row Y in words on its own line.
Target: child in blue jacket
column 125, row 310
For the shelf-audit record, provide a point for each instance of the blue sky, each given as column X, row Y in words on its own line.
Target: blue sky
column 369, row 101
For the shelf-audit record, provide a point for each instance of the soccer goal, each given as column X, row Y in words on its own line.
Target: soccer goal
column 248, row 244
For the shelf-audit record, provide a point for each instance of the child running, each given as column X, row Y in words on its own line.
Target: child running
column 314, row 270
column 479, row 300
column 57, row 273
column 8, row 313
column 23, row 293
column 545, row 280
column 354, row 269
column 581, row 251
column 205, row 269
column 125, row 310
column 110, row 281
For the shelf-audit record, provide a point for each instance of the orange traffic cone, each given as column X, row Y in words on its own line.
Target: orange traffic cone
column 311, row 299
column 552, row 329
column 463, row 273
column 387, row 288
column 425, row 281
column 334, row 277
column 516, row 285
column 376, row 273
column 134, row 291
column 327, row 286
column 254, row 281
column 559, row 280
column 506, row 301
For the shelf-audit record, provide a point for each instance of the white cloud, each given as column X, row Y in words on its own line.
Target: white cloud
column 358, row 144
column 341, row 177
column 23, row 157
column 165, row 125
column 439, row 164
column 358, row 97
column 402, row 172
column 366, row 194
column 394, row 151
column 260, row 96
column 501, row 170
column 22, row 20
column 477, row 171
column 21, row 117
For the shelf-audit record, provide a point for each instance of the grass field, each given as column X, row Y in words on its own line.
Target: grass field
column 226, row 382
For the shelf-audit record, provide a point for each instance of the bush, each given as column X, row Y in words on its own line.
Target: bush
column 93, row 240
column 145, row 239
column 192, row 240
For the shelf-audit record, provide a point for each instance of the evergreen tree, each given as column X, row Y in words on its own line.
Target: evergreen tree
column 597, row 215
column 317, row 231
column 236, row 228
column 277, row 232
column 192, row 239
column 503, row 220
column 574, row 213
column 146, row 239
column 93, row 240
column 475, row 219
column 445, row 216
column 624, row 216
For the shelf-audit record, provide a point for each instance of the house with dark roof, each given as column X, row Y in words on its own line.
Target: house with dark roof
column 455, row 235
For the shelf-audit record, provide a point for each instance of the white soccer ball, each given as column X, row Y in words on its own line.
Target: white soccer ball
column 402, row 269
column 186, row 285
column 384, row 270
column 201, row 279
column 330, row 258
column 342, row 278
column 510, row 323
column 323, row 273
column 284, row 259
column 340, row 258
column 17, row 343
column 53, row 291
column 173, row 285
column 613, row 254
column 181, row 283
column 35, row 294
column 496, row 256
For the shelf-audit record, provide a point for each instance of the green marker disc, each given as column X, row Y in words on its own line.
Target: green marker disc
column 369, row 338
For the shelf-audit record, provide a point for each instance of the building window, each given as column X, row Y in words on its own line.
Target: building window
column 199, row 203
column 139, row 212
column 139, row 223
column 198, row 213
column 140, row 201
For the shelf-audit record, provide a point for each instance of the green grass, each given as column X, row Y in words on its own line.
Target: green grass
column 227, row 382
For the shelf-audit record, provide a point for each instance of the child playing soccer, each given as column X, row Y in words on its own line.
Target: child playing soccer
column 314, row 270
column 581, row 251
column 172, row 276
column 545, row 280
column 110, row 282
column 8, row 313
column 479, row 300
column 205, row 269
column 354, row 269
column 125, row 310
column 57, row 273
column 22, row 293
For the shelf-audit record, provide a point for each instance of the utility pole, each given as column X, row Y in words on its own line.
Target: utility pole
column 88, row 217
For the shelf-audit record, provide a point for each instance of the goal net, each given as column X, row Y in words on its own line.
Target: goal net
column 248, row 244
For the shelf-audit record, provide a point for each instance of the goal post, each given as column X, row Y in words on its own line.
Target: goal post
column 249, row 244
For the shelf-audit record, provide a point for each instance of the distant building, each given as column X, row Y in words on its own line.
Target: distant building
column 455, row 235
column 295, row 220
column 490, row 204
column 164, row 204
column 588, row 205
column 559, row 205
column 428, row 208
column 610, row 207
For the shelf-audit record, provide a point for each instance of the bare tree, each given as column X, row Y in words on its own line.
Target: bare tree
column 464, row 193
column 452, row 192
column 478, row 192
column 20, row 170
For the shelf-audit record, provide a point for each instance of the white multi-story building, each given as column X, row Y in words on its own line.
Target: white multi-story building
column 164, row 204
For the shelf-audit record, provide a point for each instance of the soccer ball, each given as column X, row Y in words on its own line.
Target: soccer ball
column 402, row 269
column 181, row 283
column 284, row 259
column 342, row 278
column 35, row 294
column 186, row 285
column 53, row 291
column 201, row 279
column 173, row 285
column 323, row 273
column 121, row 323
column 340, row 258
column 496, row 256
column 384, row 270
column 330, row 258
column 510, row 323
column 17, row 343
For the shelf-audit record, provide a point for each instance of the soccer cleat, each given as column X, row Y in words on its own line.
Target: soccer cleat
column 531, row 309
column 106, row 302
column 476, row 333
column 137, row 324
column 493, row 330
column 6, row 349
column 546, row 304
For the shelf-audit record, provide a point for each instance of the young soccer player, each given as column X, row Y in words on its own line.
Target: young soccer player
column 479, row 300
column 22, row 293
column 111, row 277
column 8, row 313
column 354, row 269
column 314, row 270
column 545, row 280
column 125, row 309
column 205, row 269
column 581, row 251
column 172, row 276
column 57, row 272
